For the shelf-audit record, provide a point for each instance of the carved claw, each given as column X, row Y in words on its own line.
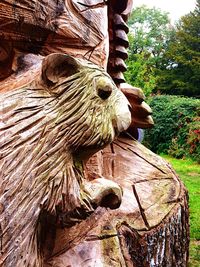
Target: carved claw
column 141, row 112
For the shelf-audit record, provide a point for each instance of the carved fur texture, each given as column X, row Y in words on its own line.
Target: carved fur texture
column 71, row 110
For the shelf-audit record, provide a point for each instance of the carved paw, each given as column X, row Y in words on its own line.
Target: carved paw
column 104, row 193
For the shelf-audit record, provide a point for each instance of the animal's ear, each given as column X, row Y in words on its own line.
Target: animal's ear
column 56, row 66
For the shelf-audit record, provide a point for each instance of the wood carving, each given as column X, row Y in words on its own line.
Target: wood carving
column 68, row 112
column 148, row 229
column 71, row 195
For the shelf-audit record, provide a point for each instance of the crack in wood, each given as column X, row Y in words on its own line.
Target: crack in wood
column 1, row 239
column 140, row 208
column 88, row 7
column 86, row 225
column 152, row 164
column 120, row 146
column 101, row 237
column 113, row 167
column 112, row 148
column 91, row 51
column 153, row 179
column 177, row 200
column 130, row 135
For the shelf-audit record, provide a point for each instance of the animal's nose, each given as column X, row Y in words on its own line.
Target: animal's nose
column 104, row 92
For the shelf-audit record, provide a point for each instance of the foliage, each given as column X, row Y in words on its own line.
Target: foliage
column 180, row 69
column 150, row 32
column 177, row 126
column 162, row 58
column 189, row 172
column 140, row 72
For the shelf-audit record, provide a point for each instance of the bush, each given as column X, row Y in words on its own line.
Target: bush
column 177, row 126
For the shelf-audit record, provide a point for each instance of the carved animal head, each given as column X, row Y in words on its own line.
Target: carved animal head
column 85, row 102
column 46, row 127
column 71, row 110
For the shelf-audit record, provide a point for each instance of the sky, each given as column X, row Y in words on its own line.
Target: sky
column 176, row 8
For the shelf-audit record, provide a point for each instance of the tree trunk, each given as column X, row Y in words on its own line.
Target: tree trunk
column 150, row 228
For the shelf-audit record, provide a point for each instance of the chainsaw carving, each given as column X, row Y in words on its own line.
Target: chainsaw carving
column 61, row 203
column 68, row 112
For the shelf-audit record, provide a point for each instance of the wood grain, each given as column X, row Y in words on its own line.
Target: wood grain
column 149, row 229
column 47, row 217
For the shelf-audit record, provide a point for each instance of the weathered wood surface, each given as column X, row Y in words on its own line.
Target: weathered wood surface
column 56, row 26
column 99, row 34
column 150, row 228
column 78, row 28
column 118, row 40
column 70, row 110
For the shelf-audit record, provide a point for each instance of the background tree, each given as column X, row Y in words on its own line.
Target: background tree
column 180, row 69
column 150, row 32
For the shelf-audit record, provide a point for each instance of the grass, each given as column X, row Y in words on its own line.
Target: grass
column 189, row 173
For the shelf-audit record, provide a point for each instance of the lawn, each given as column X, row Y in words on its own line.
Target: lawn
column 189, row 172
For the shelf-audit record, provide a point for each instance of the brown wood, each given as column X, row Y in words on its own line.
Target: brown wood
column 48, row 126
column 121, row 52
column 125, row 206
column 36, row 27
column 118, row 40
column 57, row 26
column 120, row 23
column 118, row 77
column 120, row 64
column 149, row 229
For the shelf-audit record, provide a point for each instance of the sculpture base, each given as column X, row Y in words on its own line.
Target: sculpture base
column 149, row 229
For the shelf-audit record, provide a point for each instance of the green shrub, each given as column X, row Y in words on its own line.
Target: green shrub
column 177, row 126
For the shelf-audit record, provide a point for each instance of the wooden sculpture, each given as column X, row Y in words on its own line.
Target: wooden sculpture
column 68, row 112
column 71, row 195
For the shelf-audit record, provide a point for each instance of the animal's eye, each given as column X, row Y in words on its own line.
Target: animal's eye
column 105, row 92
